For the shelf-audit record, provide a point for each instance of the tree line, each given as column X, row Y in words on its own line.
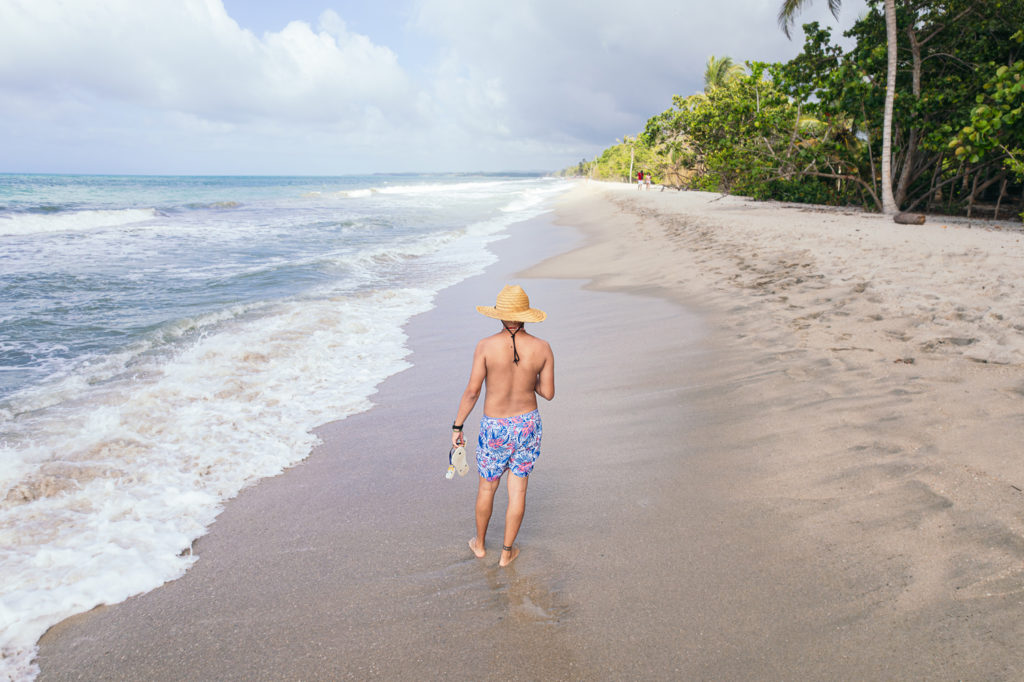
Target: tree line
column 817, row 128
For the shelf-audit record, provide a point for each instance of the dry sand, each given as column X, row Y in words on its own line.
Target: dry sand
column 881, row 371
column 811, row 469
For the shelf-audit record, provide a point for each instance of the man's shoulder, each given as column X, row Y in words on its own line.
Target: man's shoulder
column 488, row 342
column 540, row 340
column 539, row 345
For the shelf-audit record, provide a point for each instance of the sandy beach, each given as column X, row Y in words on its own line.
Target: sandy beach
column 785, row 445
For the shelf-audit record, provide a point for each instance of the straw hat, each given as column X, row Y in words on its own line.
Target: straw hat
column 513, row 305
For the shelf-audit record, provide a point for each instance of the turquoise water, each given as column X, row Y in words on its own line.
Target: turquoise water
column 165, row 341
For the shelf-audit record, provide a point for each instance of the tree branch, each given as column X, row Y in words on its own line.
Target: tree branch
column 845, row 176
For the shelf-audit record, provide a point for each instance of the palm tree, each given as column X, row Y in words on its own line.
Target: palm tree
column 719, row 71
column 787, row 15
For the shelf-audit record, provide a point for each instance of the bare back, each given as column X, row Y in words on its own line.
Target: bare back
column 512, row 388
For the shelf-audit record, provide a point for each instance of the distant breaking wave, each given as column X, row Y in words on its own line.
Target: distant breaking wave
column 72, row 221
column 417, row 189
column 214, row 205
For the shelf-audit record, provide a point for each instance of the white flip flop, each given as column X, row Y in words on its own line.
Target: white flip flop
column 457, row 461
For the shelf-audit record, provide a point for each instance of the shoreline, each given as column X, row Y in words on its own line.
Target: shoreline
column 362, row 547
column 882, row 369
column 724, row 493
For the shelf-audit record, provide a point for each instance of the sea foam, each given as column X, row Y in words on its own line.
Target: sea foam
column 72, row 221
column 105, row 501
column 110, row 470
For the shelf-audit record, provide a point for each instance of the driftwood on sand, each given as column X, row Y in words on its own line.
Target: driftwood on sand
column 909, row 218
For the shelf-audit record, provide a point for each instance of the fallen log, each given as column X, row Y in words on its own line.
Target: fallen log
column 909, row 218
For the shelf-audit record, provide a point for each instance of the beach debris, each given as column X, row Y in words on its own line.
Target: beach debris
column 909, row 218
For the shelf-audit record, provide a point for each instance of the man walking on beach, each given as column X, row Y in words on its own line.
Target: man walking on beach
column 517, row 367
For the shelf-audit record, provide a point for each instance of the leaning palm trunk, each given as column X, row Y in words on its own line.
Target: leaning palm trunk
column 788, row 13
column 889, row 206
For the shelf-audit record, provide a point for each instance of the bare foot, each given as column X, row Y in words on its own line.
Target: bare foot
column 510, row 554
column 477, row 549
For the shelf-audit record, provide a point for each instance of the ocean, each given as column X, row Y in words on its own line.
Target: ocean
column 166, row 341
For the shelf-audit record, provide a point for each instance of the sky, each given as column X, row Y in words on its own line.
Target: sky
column 337, row 87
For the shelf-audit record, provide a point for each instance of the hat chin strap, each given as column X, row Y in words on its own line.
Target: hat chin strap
column 515, row 353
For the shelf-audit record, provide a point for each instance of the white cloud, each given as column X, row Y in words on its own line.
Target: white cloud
column 587, row 68
column 178, row 86
column 189, row 56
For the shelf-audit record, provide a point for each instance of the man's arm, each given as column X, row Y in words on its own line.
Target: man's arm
column 546, row 377
column 472, row 393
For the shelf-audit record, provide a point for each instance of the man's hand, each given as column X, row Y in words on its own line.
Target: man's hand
column 458, row 438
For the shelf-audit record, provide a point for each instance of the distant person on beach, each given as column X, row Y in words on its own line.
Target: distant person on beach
column 639, row 179
column 647, row 181
column 517, row 367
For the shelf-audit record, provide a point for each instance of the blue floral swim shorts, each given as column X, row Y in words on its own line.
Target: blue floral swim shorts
column 511, row 443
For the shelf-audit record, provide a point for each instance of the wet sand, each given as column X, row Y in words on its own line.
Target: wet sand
column 730, row 488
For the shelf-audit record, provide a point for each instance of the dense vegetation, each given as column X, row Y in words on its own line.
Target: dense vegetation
column 810, row 129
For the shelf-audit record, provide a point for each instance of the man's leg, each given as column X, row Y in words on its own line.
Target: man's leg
column 484, row 504
column 514, row 516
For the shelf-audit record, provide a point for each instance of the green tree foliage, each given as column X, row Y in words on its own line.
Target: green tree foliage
column 811, row 129
column 937, row 84
column 741, row 138
column 728, row 132
column 719, row 71
column 581, row 170
column 791, row 8
column 613, row 164
column 997, row 123
column 787, row 14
